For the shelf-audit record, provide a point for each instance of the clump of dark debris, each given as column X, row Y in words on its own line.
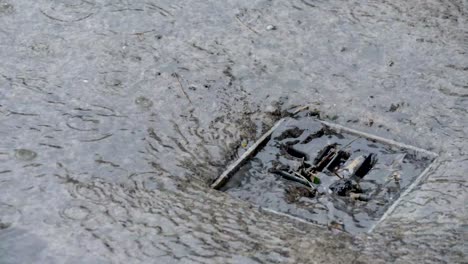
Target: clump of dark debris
column 333, row 159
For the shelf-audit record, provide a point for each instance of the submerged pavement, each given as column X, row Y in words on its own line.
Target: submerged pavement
column 116, row 115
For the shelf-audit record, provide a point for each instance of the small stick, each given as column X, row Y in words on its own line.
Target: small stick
column 242, row 23
column 347, row 145
column 181, row 86
column 328, row 157
column 300, row 109
column 292, row 177
column 337, row 175
column 335, row 152
column 314, row 111
column 310, row 184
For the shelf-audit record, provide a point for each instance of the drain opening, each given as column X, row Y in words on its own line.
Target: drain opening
column 325, row 174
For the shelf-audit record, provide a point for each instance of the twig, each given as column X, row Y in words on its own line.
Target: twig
column 345, row 146
column 337, row 175
column 300, row 109
column 181, row 86
column 291, row 177
column 335, row 152
column 310, row 184
column 249, row 28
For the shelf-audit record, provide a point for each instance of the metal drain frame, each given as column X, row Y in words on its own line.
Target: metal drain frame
column 252, row 150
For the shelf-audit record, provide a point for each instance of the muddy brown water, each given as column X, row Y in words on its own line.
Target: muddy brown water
column 116, row 115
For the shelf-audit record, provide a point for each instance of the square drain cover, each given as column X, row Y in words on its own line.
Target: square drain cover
column 326, row 174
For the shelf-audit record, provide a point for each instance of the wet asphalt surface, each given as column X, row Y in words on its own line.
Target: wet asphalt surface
column 116, row 115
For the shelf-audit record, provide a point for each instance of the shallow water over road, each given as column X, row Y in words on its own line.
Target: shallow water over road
column 116, row 115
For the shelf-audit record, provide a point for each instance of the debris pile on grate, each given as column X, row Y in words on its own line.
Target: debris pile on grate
column 324, row 174
column 333, row 159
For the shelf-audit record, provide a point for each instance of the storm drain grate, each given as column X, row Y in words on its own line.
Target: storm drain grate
column 326, row 174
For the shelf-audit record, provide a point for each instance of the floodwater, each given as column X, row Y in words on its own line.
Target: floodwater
column 116, row 115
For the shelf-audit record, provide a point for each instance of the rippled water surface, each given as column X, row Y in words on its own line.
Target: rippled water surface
column 116, row 115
